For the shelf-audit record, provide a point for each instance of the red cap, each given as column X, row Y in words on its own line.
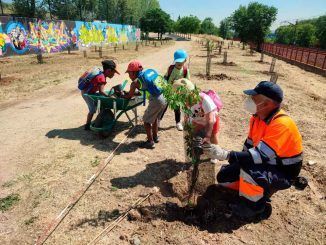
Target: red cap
column 135, row 65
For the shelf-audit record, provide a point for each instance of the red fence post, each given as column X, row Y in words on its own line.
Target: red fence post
column 308, row 57
column 316, row 58
column 324, row 61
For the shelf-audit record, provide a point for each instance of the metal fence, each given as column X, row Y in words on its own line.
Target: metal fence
column 308, row 56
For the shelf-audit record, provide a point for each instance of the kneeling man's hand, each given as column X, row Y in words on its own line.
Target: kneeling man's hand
column 215, row 152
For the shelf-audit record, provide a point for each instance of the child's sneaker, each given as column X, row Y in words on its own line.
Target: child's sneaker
column 179, row 126
column 147, row 145
column 156, row 139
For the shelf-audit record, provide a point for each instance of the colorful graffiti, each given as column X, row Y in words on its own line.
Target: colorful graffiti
column 49, row 37
column 4, row 41
column 18, row 37
column 111, row 35
column 23, row 36
column 97, row 33
column 89, row 35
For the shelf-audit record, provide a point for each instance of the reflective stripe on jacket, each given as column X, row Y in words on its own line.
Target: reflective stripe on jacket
column 275, row 141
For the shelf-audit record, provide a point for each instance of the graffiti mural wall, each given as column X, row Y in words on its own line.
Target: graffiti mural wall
column 23, row 36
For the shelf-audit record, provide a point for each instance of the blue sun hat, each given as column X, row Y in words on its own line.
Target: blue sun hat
column 180, row 56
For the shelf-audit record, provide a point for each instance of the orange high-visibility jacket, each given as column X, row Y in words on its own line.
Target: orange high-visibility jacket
column 274, row 141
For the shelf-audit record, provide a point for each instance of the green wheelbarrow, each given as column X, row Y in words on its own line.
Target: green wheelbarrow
column 113, row 108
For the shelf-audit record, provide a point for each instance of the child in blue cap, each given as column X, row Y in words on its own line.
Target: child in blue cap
column 175, row 72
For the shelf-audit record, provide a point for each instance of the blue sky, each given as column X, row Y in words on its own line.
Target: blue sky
column 288, row 10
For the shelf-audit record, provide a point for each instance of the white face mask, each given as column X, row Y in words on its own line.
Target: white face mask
column 250, row 106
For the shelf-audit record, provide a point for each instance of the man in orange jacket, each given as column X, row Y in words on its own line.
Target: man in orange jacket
column 272, row 154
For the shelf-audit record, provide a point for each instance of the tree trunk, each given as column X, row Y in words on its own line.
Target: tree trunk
column 258, row 46
column 1, row 7
column 80, row 9
column 50, row 8
column 67, row 15
column 33, row 8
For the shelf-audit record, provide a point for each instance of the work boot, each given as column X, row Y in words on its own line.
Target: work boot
column 242, row 210
column 87, row 126
column 147, row 145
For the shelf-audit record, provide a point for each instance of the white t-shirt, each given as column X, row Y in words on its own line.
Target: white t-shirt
column 199, row 110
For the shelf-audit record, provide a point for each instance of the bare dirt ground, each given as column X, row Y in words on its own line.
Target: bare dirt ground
column 46, row 156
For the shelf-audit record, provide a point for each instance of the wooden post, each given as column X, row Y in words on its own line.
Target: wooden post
column 137, row 45
column 155, row 44
column 262, row 57
column 274, row 77
column 123, row 47
column 85, row 53
column 69, row 49
column 209, row 60
column 220, row 50
column 100, row 54
column 39, row 58
column 271, row 69
column 115, row 49
column 228, row 46
column 95, row 48
column 225, row 58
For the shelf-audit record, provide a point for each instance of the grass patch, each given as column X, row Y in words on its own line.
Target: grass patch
column 69, row 155
column 30, row 220
column 8, row 201
column 44, row 193
column 113, row 188
column 56, row 82
column 8, row 184
column 26, row 177
column 95, row 162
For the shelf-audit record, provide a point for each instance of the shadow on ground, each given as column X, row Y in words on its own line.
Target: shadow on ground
column 155, row 174
column 212, row 220
column 211, row 212
column 100, row 220
column 101, row 143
